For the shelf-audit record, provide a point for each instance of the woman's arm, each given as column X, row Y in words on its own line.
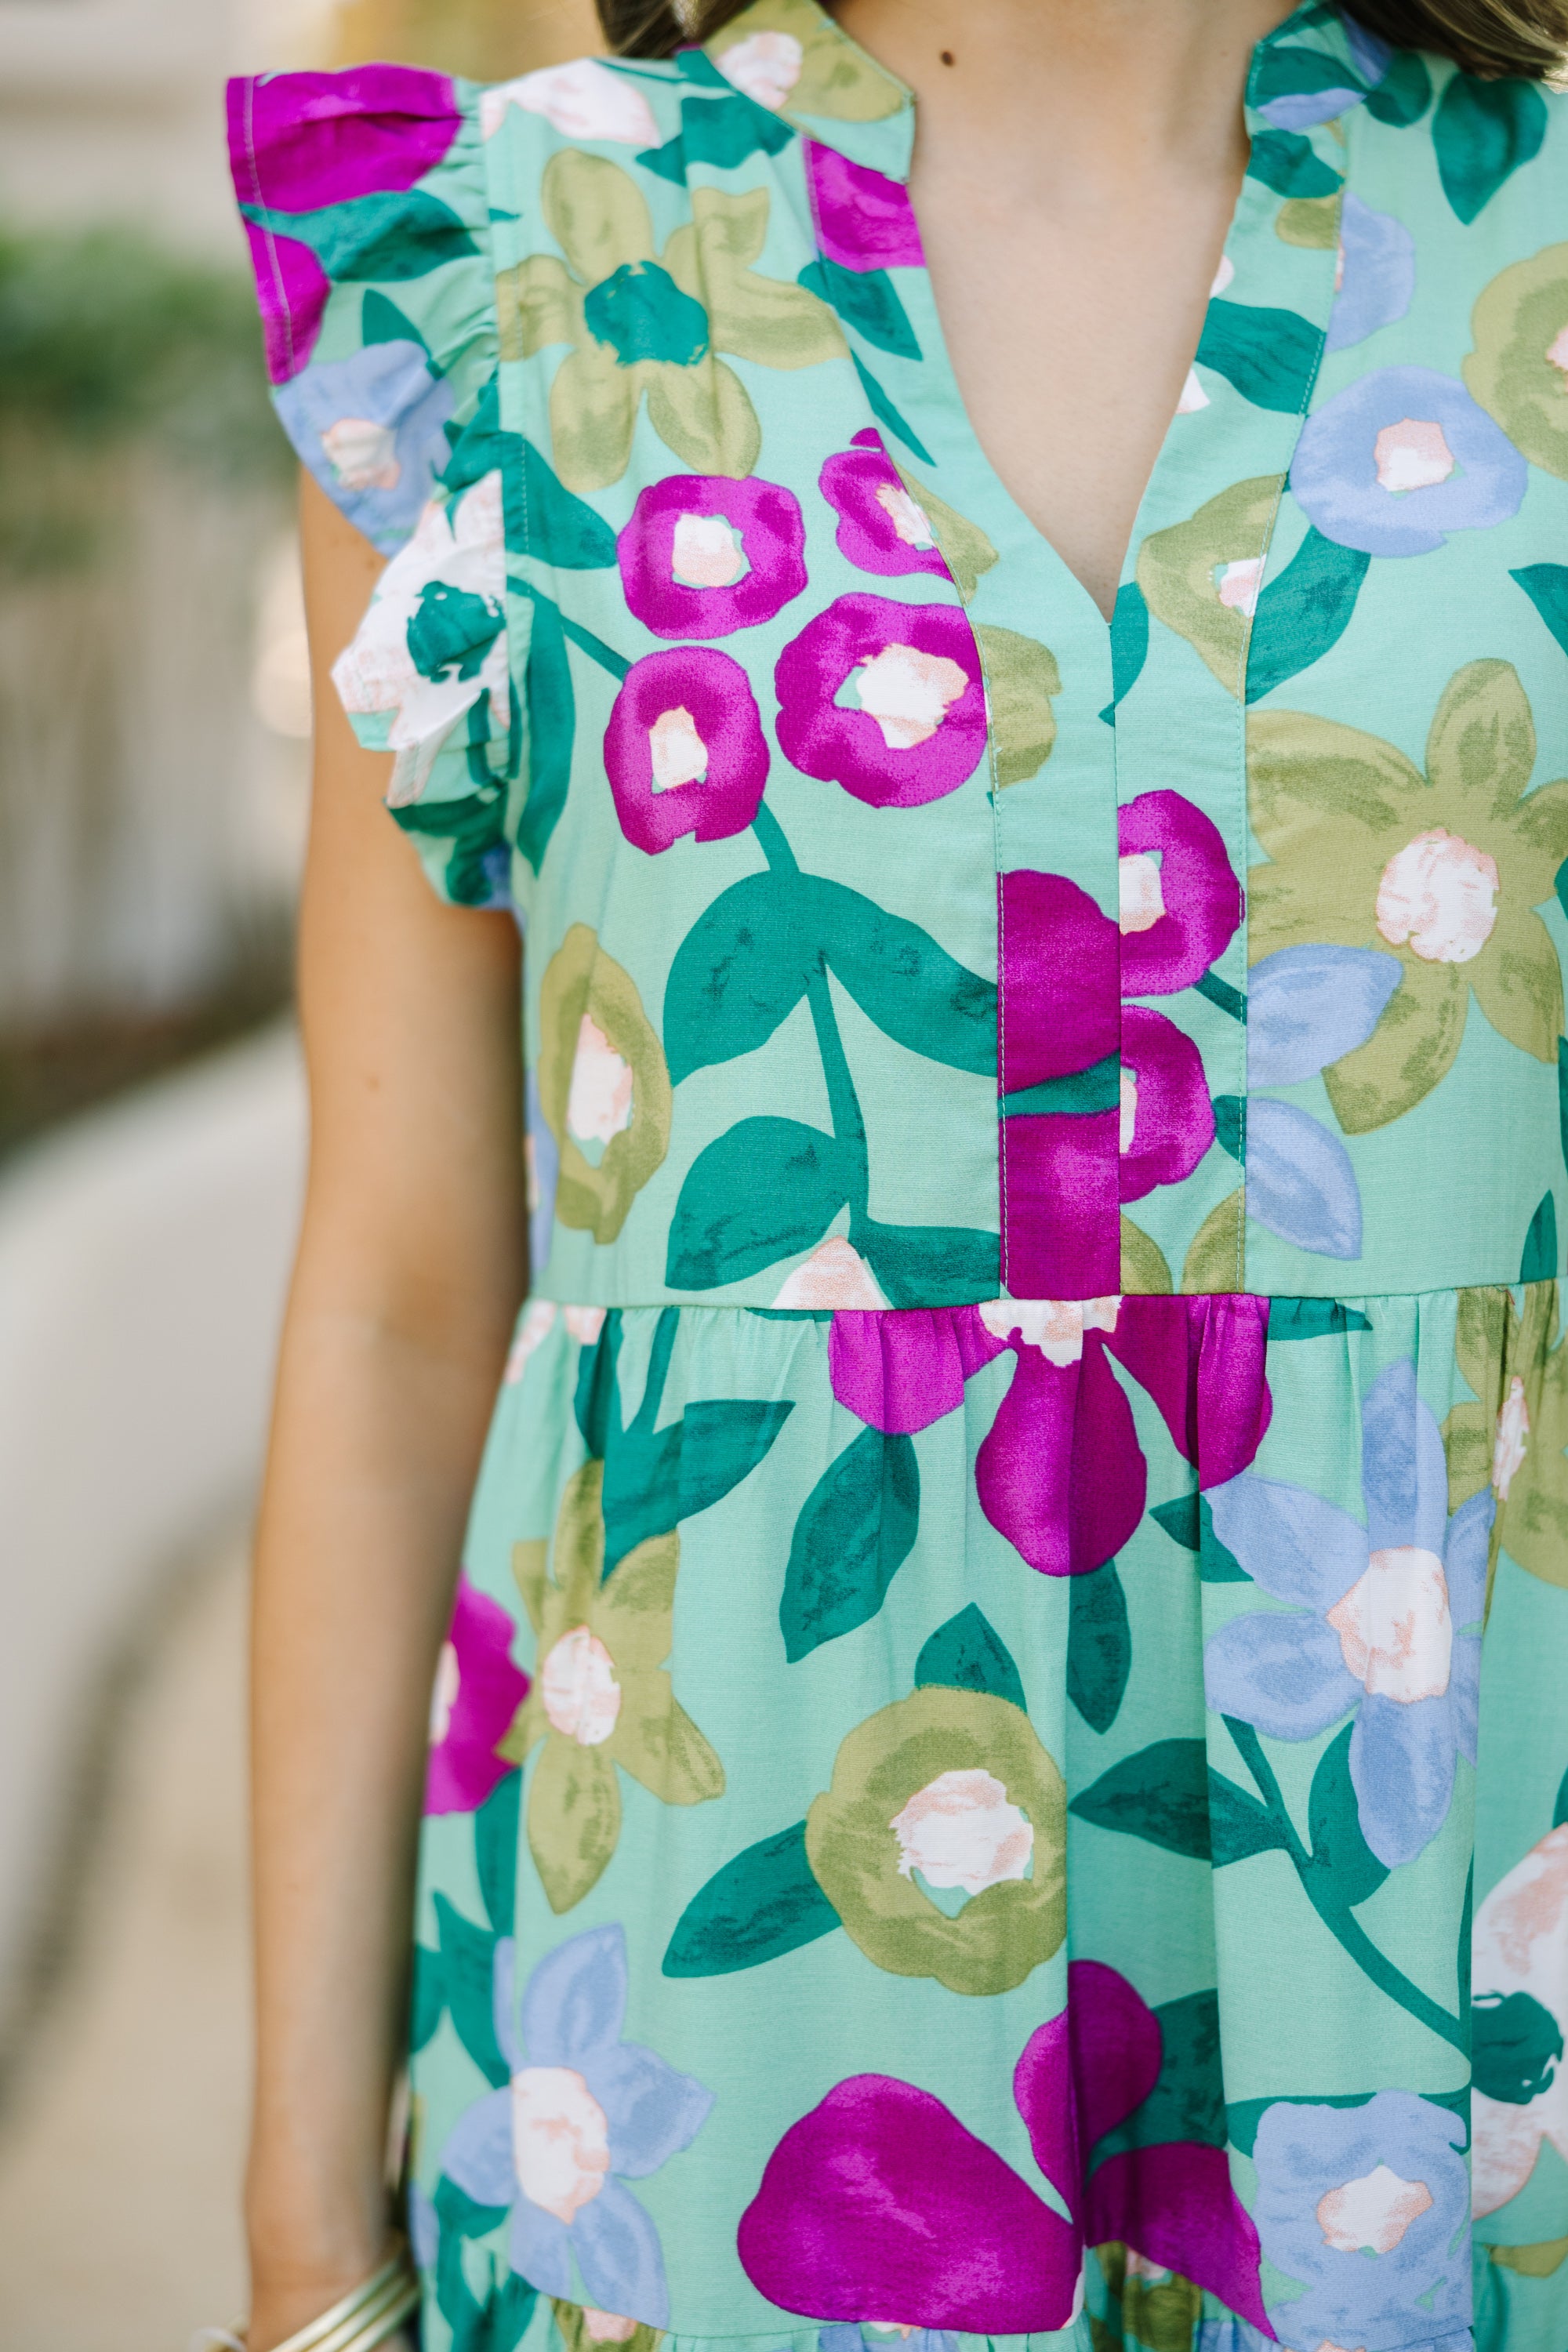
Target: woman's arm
column 411, row 1267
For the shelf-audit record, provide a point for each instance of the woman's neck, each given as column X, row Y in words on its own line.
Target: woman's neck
column 1076, row 93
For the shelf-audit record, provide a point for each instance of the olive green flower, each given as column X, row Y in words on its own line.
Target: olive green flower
column 604, row 1085
column 1512, row 1437
column 638, row 324
column 1518, row 369
column 583, row 2329
column 792, row 58
column 600, row 1696
column 1202, row 577
column 1443, row 871
column 948, row 1791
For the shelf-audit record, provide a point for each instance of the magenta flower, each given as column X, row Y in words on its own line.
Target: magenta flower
column 1166, row 1119
column 880, row 2204
column 684, row 750
column 885, row 699
column 478, row 1692
column 1177, row 917
column 292, row 290
column 703, row 555
column 298, row 143
column 864, row 220
column 1061, row 1472
column 880, row 526
column 301, row 140
column 1078, row 2078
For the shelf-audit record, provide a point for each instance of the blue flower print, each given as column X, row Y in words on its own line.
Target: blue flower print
column 1375, row 1618
column 372, row 430
column 1377, row 273
column 1402, row 458
column 583, row 2113
column 1369, row 2207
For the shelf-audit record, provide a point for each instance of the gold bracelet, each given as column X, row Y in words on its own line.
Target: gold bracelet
column 357, row 2323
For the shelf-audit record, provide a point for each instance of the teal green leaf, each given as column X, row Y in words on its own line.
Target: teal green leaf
column 855, row 1531
column 1463, row 1954
column 1312, row 1318
column 1539, row 1263
column 474, row 825
column 429, row 1996
column 763, row 1189
column 884, row 411
column 868, row 300
column 1128, row 644
column 1230, row 1124
column 1286, row 71
column 740, row 969
column 552, row 728
column 1285, row 161
column 1303, row 611
column 968, row 1653
column 1404, row 93
column 744, row 965
column 1516, row 2047
column 391, row 236
column 1270, row 356
column 727, row 128
column 1239, row 1826
column 1560, row 1810
column 1343, row 1871
column 1099, row 1645
column 467, row 1970
column 1546, row 585
column 1097, row 1089
column 1187, row 2102
column 656, row 1478
column 759, row 1905
column 1562, row 1095
column 496, row 1851
column 929, row 1265
column 461, row 2216
column 1158, row 1794
column 381, row 322
column 1482, row 132
column 1188, row 1520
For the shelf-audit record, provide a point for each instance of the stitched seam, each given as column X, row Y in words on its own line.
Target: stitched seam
column 279, row 287
column 1003, row 1249
column 1241, row 705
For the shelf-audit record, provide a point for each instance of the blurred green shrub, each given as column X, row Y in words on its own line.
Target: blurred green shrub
column 109, row 341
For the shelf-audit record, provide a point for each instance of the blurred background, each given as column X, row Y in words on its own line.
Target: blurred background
column 155, row 723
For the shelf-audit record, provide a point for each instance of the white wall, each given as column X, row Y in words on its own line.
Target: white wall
column 143, row 1254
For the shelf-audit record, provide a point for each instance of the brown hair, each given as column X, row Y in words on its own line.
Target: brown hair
column 1485, row 36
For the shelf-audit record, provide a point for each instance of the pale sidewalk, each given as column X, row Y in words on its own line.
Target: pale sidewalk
column 120, row 2147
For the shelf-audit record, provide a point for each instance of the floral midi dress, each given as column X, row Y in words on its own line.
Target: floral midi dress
column 1001, row 1768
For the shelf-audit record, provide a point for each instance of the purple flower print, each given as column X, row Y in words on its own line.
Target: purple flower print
column 684, row 750
column 1369, row 2207
column 583, row 2113
column 885, row 699
column 1177, row 915
column 301, row 140
column 1399, row 459
column 881, row 2204
column 1166, row 1117
column 1078, row 2078
column 292, row 290
column 1060, row 1472
column 1058, row 955
column 864, row 220
column 1375, row 1618
column 880, row 526
column 478, row 1692
column 370, row 429
column 703, row 555
column 1376, row 279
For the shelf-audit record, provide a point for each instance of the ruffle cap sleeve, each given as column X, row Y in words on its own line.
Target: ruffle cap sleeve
column 364, row 195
